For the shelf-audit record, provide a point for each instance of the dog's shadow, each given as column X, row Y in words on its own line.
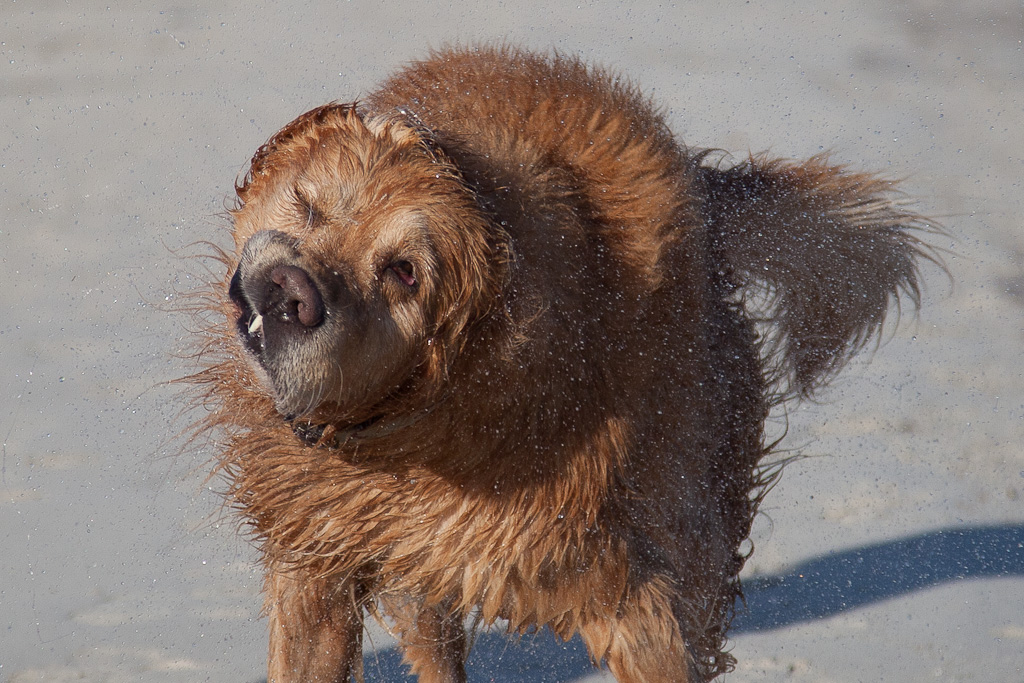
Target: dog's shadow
column 854, row 578
column 818, row 588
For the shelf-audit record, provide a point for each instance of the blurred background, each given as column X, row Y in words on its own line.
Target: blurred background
column 895, row 552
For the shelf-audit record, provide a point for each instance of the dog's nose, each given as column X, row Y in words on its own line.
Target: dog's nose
column 293, row 296
column 275, row 293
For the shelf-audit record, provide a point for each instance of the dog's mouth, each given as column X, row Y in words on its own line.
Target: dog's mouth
column 249, row 324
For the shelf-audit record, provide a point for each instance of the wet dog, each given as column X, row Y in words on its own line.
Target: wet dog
column 491, row 348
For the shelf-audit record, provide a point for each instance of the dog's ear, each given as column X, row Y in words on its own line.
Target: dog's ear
column 427, row 137
column 304, row 128
column 413, row 120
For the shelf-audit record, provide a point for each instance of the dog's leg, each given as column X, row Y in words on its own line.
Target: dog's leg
column 643, row 642
column 316, row 628
column 434, row 642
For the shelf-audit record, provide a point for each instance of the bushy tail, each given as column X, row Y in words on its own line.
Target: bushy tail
column 827, row 252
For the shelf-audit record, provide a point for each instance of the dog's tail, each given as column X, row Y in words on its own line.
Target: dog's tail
column 824, row 251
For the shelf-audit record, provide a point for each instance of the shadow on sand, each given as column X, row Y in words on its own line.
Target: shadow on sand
column 854, row 578
column 818, row 588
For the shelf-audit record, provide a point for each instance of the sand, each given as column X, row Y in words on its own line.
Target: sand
column 895, row 552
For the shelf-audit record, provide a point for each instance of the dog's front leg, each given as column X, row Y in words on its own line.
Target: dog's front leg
column 316, row 628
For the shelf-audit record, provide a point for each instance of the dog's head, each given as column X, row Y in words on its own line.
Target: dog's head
column 361, row 257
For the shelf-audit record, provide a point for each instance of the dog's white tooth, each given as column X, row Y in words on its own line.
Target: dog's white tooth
column 256, row 325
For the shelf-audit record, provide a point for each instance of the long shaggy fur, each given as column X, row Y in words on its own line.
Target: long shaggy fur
column 526, row 382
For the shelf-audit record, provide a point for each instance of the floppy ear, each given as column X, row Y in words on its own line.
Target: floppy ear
column 298, row 135
column 415, row 121
column 428, row 139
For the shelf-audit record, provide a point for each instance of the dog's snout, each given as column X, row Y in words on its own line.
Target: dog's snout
column 276, row 294
column 294, row 297
column 273, row 281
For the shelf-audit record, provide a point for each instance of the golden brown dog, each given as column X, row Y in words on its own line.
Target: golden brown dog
column 488, row 348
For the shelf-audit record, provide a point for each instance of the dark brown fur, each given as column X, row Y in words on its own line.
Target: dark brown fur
column 507, row 365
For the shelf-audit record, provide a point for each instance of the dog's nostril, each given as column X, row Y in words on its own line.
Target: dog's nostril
column 298, row 295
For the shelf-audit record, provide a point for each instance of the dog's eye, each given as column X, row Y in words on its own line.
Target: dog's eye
column 306, row 207
column 404, row 271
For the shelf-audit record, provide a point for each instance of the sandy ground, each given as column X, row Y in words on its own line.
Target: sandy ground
column 896, row 554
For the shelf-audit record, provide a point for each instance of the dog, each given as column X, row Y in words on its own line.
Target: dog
column 495, row 344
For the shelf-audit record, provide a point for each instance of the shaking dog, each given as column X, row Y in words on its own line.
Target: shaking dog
column 496, row 344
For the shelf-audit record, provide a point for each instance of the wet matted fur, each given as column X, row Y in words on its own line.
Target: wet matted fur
column 486, row 349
